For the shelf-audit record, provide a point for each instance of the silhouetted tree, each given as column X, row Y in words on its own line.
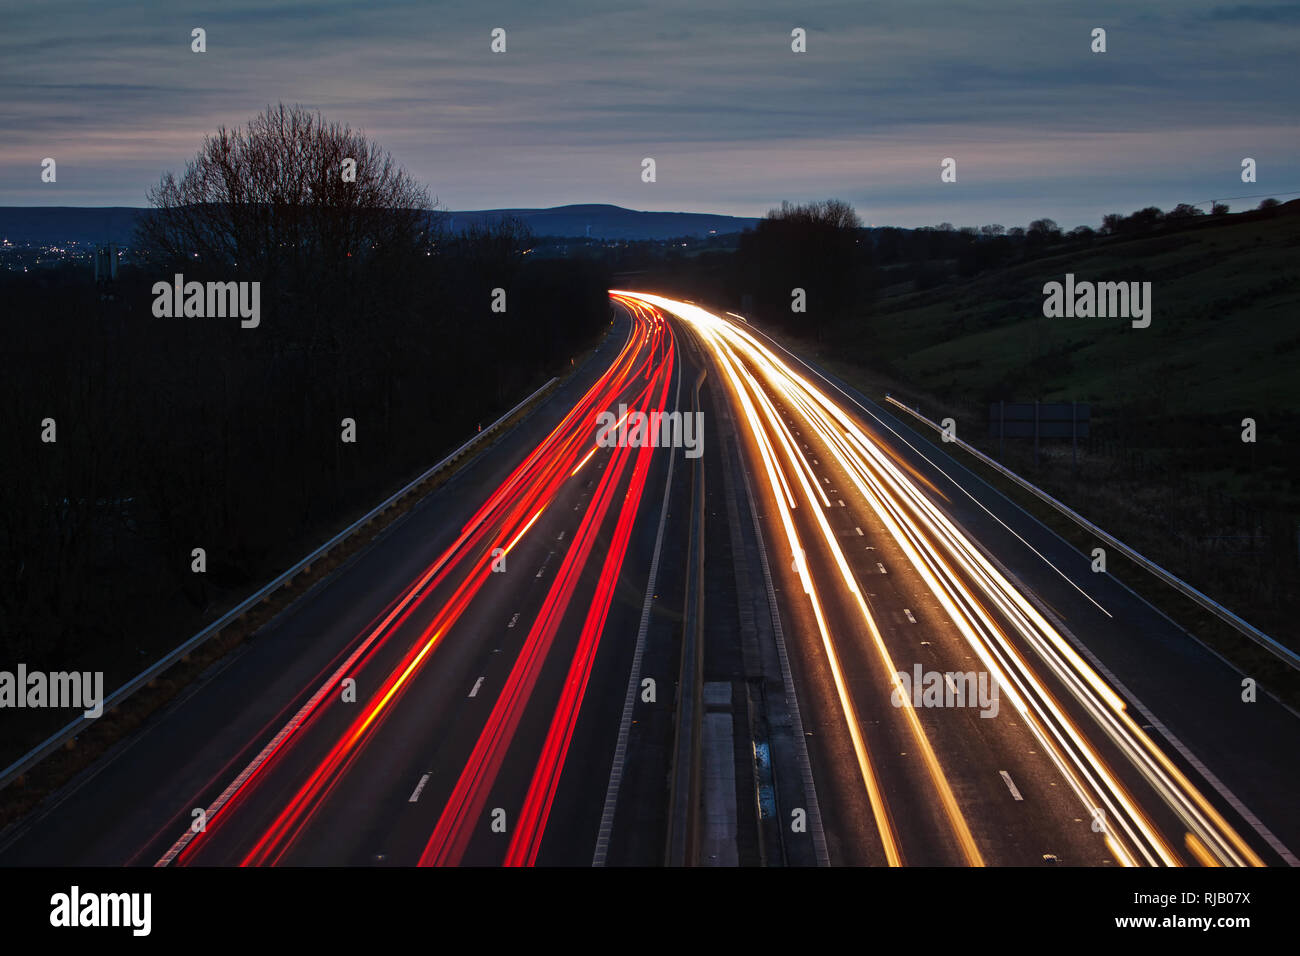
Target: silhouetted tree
column 1144, row 219
column 1041, row 231
column 816, row 247
column 277, row 197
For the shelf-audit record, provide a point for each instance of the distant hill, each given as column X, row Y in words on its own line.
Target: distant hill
column 600, row 221
column 67, row 223
column 608, row 222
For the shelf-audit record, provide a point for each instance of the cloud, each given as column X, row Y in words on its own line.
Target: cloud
column 1281, row 13
column 736, row 121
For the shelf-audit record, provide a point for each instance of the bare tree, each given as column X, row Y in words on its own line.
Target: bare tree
column 279, row 196
column 1043, row 230
column 834, row 213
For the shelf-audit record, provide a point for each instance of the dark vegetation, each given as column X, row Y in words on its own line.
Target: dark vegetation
column 177, row 433
column 951, row 319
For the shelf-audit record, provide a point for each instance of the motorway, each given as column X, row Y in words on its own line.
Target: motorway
column 879, row 580
column 573, row 654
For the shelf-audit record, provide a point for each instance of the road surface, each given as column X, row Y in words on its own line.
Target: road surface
column 811, row 638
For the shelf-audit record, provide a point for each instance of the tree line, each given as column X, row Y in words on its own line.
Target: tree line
column 822, row 249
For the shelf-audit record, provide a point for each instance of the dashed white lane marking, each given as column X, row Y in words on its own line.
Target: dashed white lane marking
column 882, row 568
column 909, row 615
column 1006, row 778
column 560, row 536
column 473, row 691
column 826, row 481
column 841, row 501
column 514, row 620
column 415, row 794
column 858, row 530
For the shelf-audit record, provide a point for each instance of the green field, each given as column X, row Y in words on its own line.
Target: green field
column 1223, row 345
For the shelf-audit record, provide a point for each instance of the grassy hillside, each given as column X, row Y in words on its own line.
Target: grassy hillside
column 1223, row 345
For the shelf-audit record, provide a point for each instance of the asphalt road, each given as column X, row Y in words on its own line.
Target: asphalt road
column 573, row 654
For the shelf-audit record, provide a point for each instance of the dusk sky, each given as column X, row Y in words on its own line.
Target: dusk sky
column 736, row 121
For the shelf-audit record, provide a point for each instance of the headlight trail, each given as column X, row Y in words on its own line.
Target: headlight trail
column 973, row 594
